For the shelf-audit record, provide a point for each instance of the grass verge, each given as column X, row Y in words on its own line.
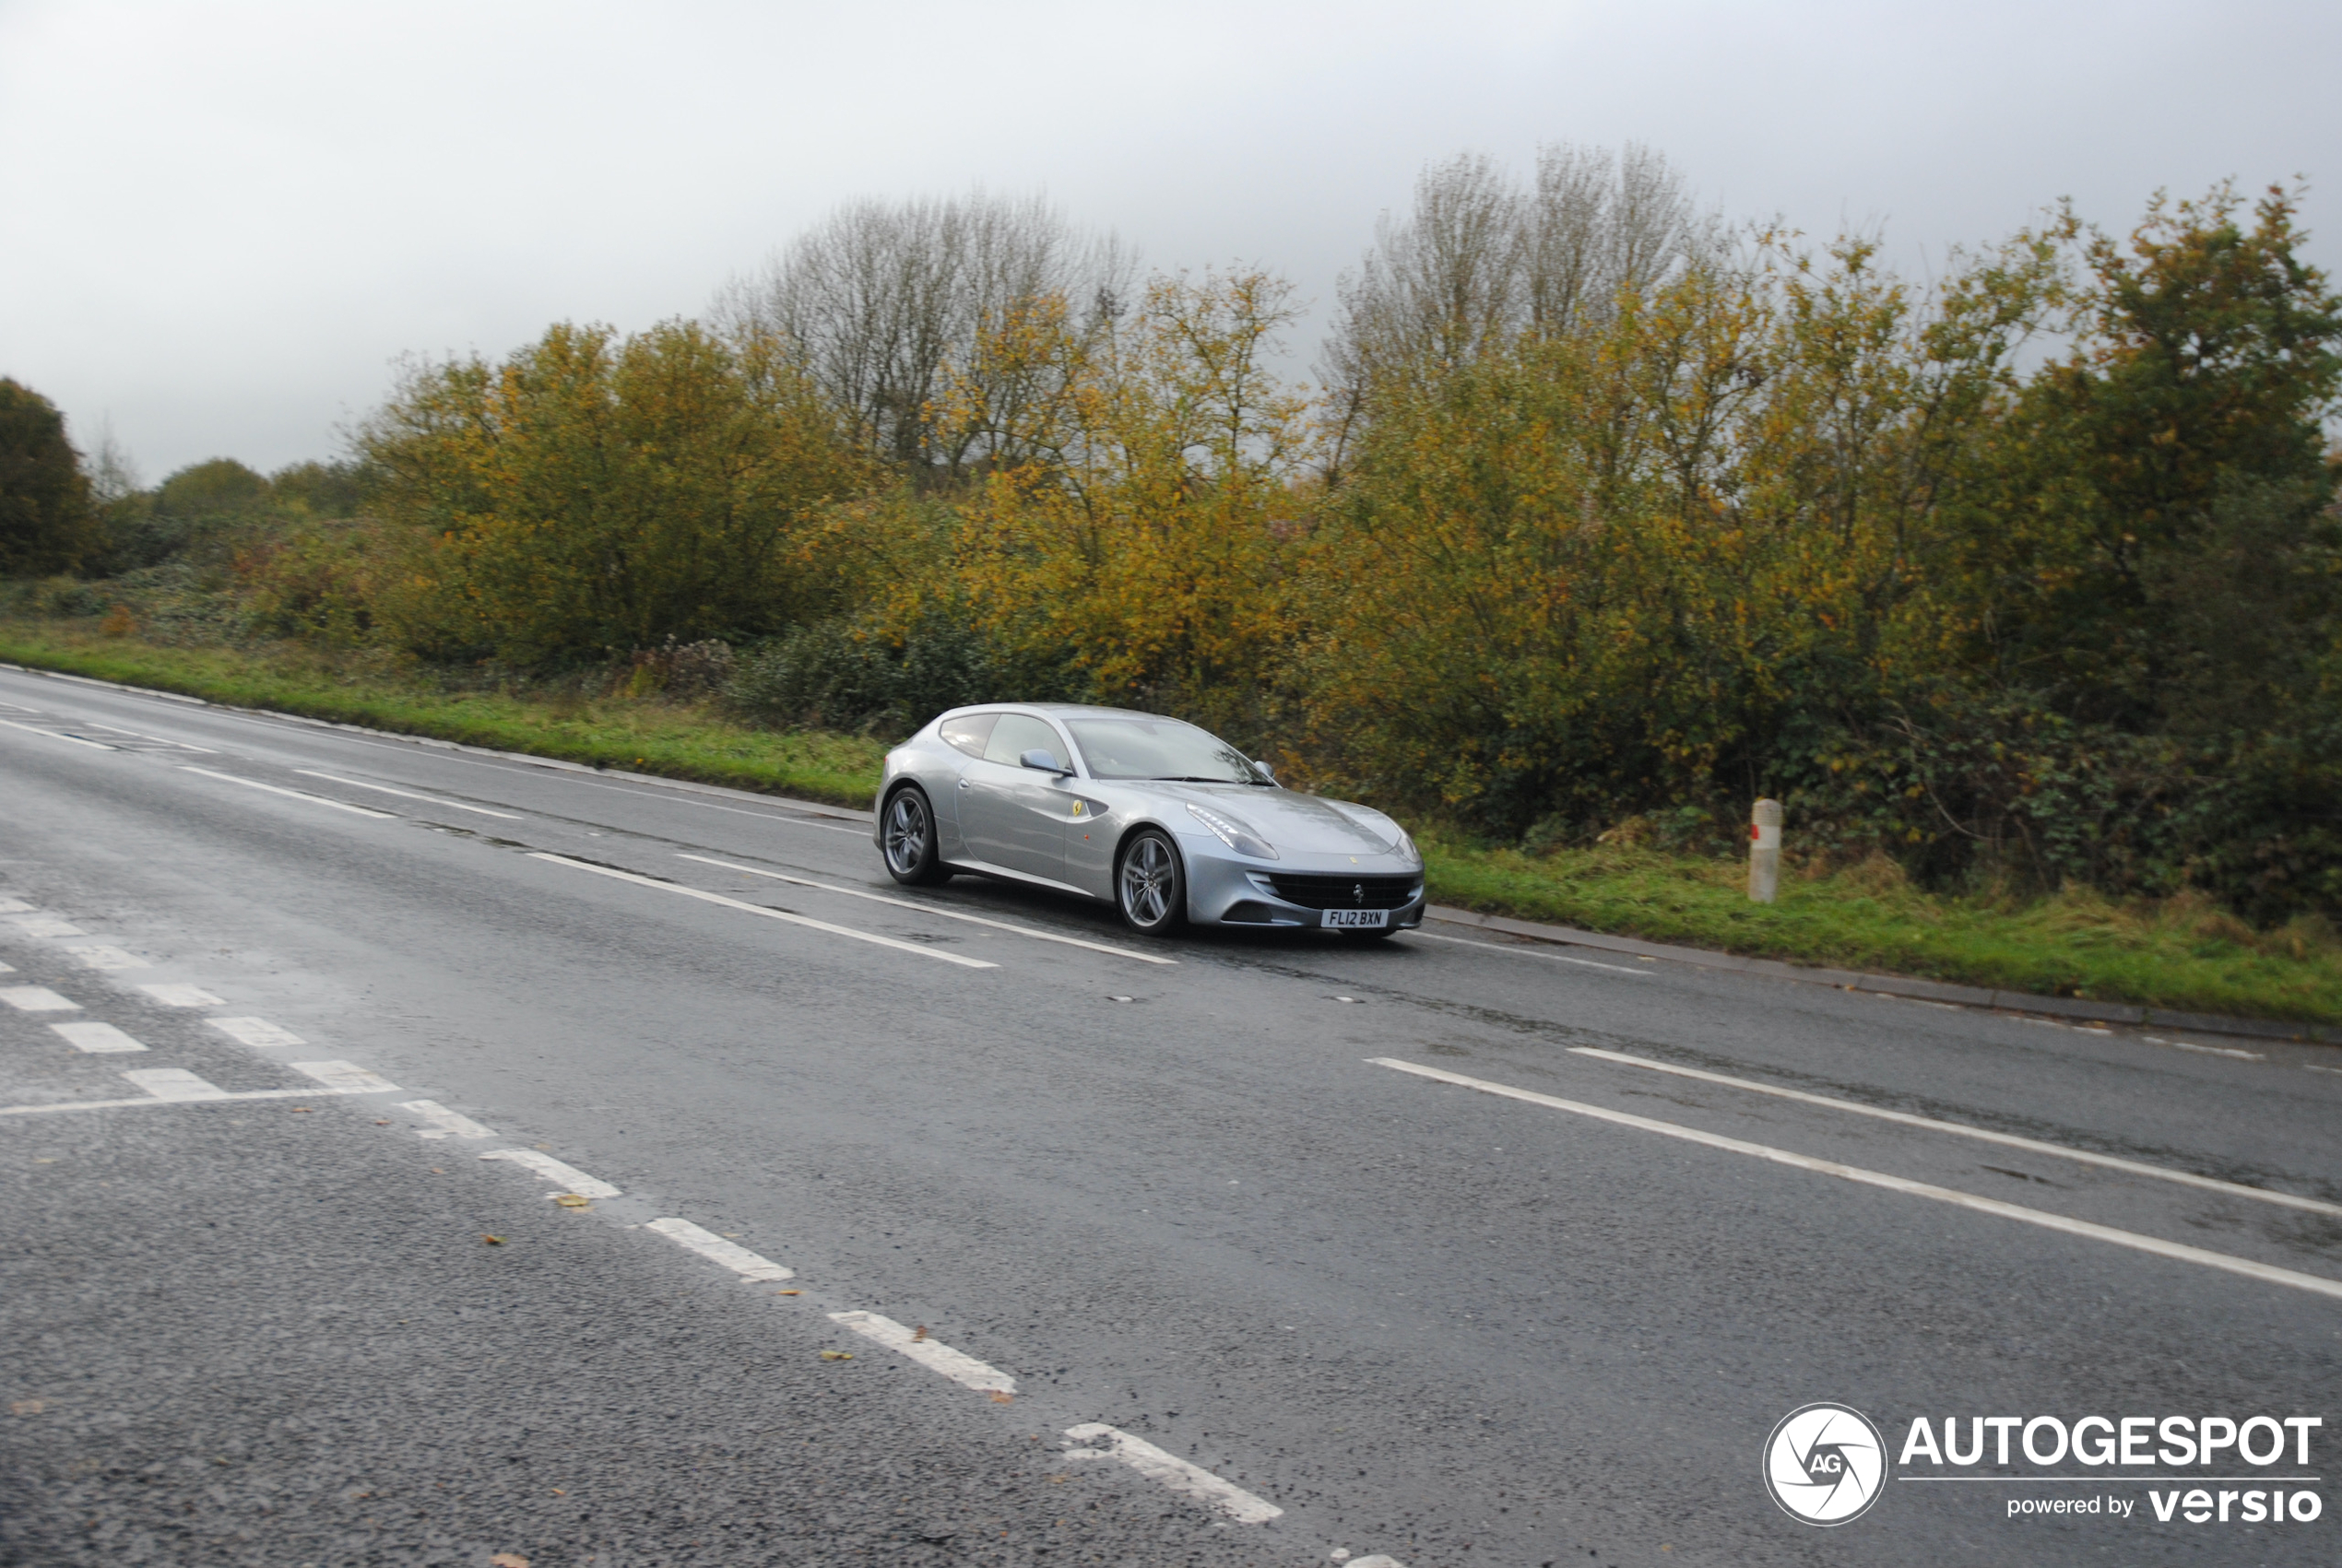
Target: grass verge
column 643, row 736
column 2184, row 953
column 2181, row 953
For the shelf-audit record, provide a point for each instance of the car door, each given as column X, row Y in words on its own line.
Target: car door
column 966, row 734
column 1011, row 816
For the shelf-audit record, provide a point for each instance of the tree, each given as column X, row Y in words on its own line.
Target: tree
column 47, row 523
column 883, row 304
column 592, row 494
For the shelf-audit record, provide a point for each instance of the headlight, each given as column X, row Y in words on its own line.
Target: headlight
column 1407, row 849
column 1235, row 835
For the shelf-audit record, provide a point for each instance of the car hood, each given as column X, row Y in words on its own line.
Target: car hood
column 1291, row 822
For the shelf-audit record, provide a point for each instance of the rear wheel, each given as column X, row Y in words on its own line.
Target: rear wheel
column 1149, row 885
column 906, row 836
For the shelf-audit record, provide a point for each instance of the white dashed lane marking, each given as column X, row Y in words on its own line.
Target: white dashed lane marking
column 47, row 925
column 96, row 1037
column 871, row 936
column 15, row 906
column 2007, row 1140
column 931, row 909
column 569, row 1177
column 715, row 1249
column 1188, row 1480
column 53, row 735
column 2265, row 1273
column 96, row 955
column 292, row 793
column 959, row 1367
column 406, row 794
column 342, row 1077
column 256, row 1032
column 37, row 999
column 175, row 1083
column 445, row 1122
column 173, row 996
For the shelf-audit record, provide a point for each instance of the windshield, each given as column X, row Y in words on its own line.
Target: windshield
column 1159, row 749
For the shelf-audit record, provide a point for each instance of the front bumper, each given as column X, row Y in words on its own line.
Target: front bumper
column 1224, row 888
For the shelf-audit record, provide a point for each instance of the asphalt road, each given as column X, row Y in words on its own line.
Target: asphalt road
column 1219, row 1273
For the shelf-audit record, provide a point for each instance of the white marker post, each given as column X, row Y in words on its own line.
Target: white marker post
column 1764, row 852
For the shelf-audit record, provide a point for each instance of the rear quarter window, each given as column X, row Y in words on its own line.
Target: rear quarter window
column 969, row 732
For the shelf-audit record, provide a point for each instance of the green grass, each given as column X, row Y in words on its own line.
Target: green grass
column 2181, row 953
column 642, row 735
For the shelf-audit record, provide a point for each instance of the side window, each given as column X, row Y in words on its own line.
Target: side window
column 970, row 731
column 1017, row 734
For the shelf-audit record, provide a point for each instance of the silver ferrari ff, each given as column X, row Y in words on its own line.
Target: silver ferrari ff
column 1166, row 821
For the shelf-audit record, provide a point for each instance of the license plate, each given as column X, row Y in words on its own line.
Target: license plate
column 1356, row 919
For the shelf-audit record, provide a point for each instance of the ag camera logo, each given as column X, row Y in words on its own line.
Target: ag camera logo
column 1825, row 1464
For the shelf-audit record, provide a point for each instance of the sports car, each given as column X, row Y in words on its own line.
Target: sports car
column 1164, row 820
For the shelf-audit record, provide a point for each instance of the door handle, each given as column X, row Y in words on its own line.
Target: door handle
column 963, row 783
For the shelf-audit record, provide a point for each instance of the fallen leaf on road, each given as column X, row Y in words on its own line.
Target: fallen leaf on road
column 1000, row 1398
column 25, row 1407
column 571, row 1201
column 493, row 1241
column 788, row 1293
column 378, row 1122
column 509, row 1560
column 300, row 1110
column 837, row 1355
column 919, row 1333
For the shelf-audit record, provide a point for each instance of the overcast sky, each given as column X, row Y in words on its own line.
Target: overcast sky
column 220, row 223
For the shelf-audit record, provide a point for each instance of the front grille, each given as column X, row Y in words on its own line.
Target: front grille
column 1344, row 892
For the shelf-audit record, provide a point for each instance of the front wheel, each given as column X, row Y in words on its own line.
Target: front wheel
column 1149, row 885
column 907, row 837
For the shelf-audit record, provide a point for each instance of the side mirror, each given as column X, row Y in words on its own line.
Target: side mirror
column 1263, row 763
column 1045, row 761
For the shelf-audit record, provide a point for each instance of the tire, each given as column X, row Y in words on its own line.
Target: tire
column 1149, row 885
column 907, row 839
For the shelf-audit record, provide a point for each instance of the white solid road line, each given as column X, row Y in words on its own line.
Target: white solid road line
column 931, row 909
column 570, row 1178
column 1532, row 952
column 406, row 794
column 174, row 996
column 2008, row 1140
column 37, row 999
column 1171, row 1470
column 96, row 955
column 343, row 1078
column 958, row 1366
column 68, row 739
column 256, row 1032
column 744, row 908
column 313, row 1094
column 2263, row 1272
column 158, row 739
column 97, row 1037
column 175, row 1083
column 446, row 1121
column 715, row 1249
column 291, row 793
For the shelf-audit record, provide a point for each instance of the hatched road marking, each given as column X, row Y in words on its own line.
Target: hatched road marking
column 175, row 1083
column 406, row 794
column 2009, row 1140
column 931, row 909
column 291, row 794
column 2267, row 1273
column 256, row 1032
column 174, row 996
column 746, row 908
column 37, row 999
